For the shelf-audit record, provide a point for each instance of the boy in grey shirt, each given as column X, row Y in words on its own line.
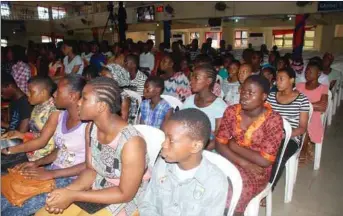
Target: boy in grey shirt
column 184, row 182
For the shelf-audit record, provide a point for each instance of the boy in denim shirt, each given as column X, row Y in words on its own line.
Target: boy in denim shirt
column 184, row 182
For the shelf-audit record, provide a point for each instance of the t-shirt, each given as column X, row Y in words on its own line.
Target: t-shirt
column 334, row 75
column 74, row 62
column 291, row 111
column 98, row 60
column 213, row 111
column 139, row 82
column 323, row 79
column 19, row 110
column 147, row 60
column 178, row 86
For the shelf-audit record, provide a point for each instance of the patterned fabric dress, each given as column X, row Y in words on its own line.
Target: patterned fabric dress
column 106, row 160
column 266, row 140
column 178, row 86
column 39, row 116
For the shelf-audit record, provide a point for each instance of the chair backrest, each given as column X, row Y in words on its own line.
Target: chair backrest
column 134, row 94
column 154, row 138
column 173, row 101
column 288, row 132
column 308, row 122
column 324, row 115
column 232, row 172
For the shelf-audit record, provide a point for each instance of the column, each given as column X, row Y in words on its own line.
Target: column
column 228, row 35
column 299, row 34
column 158, row 34
column 167, row 31
column 328, row 34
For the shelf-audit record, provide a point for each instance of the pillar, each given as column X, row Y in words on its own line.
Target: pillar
column 328, row 35
column 159, row 34
column 299, row 34
column 227, row 35
column 167, row 31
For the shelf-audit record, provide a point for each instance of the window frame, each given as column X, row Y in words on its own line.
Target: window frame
column 241, row 38
column 58, row 13
column 5, row 7
column 41, row 13
column 4, row 42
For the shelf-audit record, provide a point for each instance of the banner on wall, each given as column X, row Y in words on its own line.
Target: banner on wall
column 330, row 6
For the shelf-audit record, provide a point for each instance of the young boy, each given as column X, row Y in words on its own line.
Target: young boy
column 19, row 107
column 40, row 90
column 184, row 182
column 154, row 109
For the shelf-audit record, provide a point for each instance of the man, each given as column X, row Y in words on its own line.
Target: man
column 147, row 59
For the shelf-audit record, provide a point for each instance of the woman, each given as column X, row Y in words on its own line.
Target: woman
column 230, row 86
column 21, row 71
column 292, row 106
column 98, row 59
column 202, row 82
column 176, row 83
column 116, row 157
column 67, row 159
column 282, row 63
column 270, row 73
column 317, row 94
column 72, row 62
column 56, row 68
column 249, row 136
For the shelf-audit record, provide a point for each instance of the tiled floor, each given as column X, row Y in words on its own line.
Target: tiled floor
column 317, row 193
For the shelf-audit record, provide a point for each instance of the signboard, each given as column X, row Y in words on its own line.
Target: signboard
column 330, row 6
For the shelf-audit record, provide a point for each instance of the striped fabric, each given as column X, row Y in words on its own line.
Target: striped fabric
column 139, row 82
column 291, row 112
column 178, row 86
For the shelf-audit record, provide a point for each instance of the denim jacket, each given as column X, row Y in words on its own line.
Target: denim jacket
column 204, row 194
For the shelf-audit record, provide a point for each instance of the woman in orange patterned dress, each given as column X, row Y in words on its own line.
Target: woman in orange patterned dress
column 249, row 136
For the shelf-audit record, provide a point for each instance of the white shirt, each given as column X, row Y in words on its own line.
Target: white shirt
column 147, row 60
column 185, row 174
column 108, row 54
column 87, row 57
column 70, row 65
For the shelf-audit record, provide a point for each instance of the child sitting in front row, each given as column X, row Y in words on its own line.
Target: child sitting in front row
column 154, row 109
column 184, row 182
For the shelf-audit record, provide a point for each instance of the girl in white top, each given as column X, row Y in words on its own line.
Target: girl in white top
column 72, row 62
column 202, row 82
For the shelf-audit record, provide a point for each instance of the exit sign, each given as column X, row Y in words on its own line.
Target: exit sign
column 159, row 9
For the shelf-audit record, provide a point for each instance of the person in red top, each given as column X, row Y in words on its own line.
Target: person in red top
column 249, row 136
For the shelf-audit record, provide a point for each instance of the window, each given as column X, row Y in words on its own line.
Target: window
column 43, row 13
column 309, row 39
column 46, row 39
column 241, row 39
column 283, row 40
column 339, row 31
column 58, row 40
column 58, row 13
column 194, row 35
column 5, row 10
column 151, row 37
column 3, row 43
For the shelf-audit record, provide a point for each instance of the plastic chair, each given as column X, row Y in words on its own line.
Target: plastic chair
column 318, row 146
column 232, row 172
column 173, row 101
column 154, row 138
column 254, row 205
column 329, row 109
column 292, row 166
column 138, row 98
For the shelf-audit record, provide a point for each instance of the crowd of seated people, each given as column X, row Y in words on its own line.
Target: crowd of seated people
column 73, row 106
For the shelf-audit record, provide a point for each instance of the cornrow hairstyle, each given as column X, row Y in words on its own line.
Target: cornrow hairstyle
column 108, row 91
column 76, row 82
column 210, row 71
column 157, row 82
column 261, row 81
column 195, row 122
column 45, row 82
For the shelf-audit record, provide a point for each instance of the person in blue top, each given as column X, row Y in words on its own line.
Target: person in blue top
column 97, row 59
column 154, row 109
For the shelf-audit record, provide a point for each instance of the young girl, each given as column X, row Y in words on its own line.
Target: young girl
column 116, row 157
column 230, row 86
column 202, row 82
column 72, row 62
column 176, row 83
column 67, row 158
column 56, row 67
column 292, row 106
column 317, row 94
column 39, row 95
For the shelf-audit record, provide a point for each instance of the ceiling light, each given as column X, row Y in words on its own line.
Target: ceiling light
column 236, row 20
column 290, row 18
column 158, row 24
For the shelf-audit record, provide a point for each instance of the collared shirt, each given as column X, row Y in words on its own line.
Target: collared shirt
column 154, row 117
column 204, row 194
column 147, row 60
column 21, row 73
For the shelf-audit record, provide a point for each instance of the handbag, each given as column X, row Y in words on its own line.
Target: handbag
column 17, row 189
